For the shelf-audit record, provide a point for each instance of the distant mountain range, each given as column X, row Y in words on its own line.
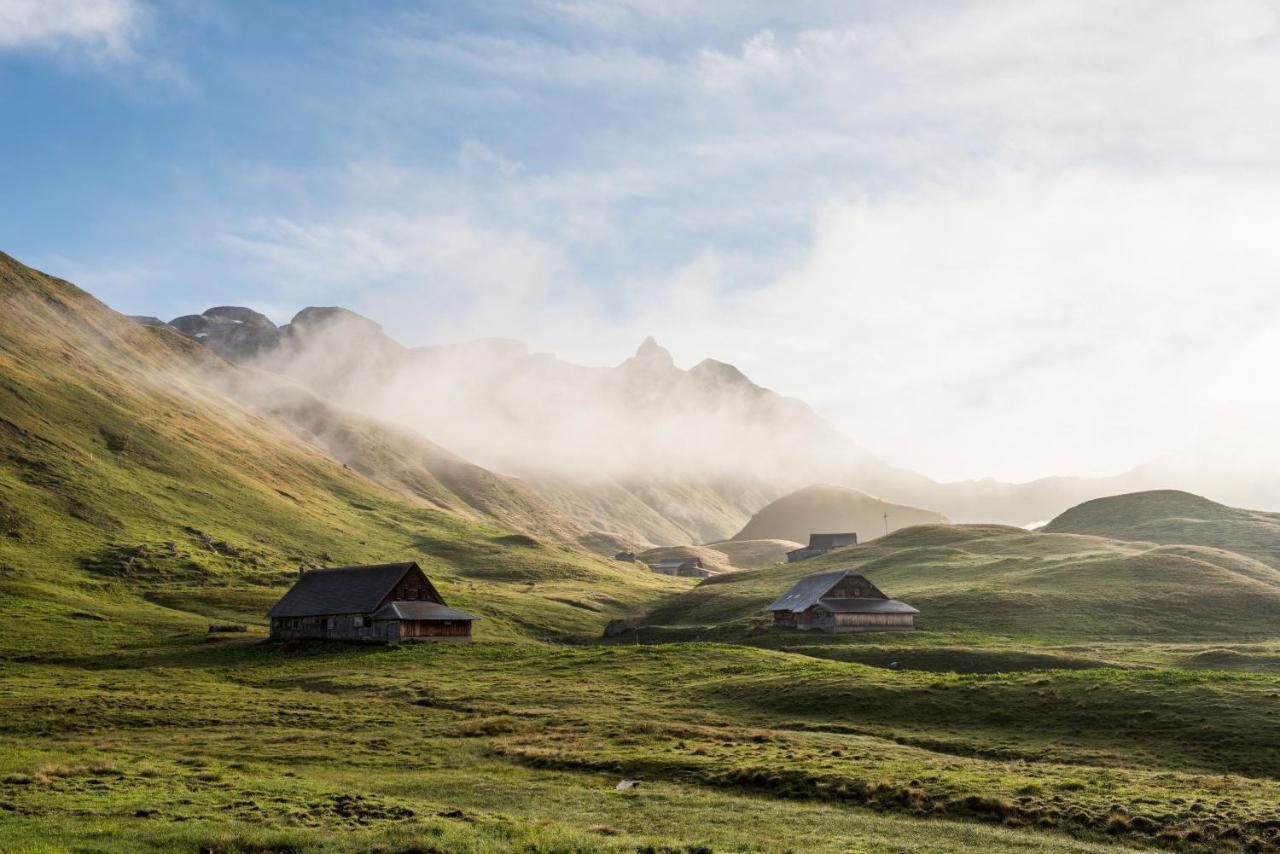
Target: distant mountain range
column 646, row 451
column 637, row 455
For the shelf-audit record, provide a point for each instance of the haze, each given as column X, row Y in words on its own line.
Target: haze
column 996, row 239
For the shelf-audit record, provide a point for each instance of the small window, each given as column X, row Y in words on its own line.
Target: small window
column 367, row 622
column 413, row 593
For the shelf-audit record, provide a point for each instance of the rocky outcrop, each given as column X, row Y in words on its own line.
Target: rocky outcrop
column 619, row 627
column 236, row 333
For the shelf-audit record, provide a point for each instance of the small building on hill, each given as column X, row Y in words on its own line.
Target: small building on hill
column 386, row 603
column 820, row 544
column 841, row 600
column 629, row 557
column 683, row 567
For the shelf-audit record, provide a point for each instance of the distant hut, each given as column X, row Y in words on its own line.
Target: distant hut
column 386, row 603
column 841, row 600
column 629, row 557
column 820, row 544
column 684, row 567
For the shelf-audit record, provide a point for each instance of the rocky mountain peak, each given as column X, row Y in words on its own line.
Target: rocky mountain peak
column 650, row 352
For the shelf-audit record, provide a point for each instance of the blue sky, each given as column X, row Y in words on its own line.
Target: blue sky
column 984, row 238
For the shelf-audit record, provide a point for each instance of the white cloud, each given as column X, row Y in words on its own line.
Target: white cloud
column 1040, row 230
column 104, row 30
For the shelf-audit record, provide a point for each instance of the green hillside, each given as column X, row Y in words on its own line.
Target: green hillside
column 831, row 509
column 1008, row 582
column 148, row 488
column 1173, row 517
column 137, row 498
column 749, row 554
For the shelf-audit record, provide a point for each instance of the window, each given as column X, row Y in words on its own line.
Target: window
column 413, row 593
column 367, row 622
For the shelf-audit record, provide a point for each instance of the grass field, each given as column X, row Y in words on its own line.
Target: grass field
column 240, row 745
column 991, row 581
column 1067, row 693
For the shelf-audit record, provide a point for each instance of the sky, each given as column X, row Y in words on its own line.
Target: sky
column 1006, row 239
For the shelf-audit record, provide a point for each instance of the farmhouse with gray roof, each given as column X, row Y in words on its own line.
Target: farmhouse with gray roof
column 820, row 544
column 684, row 567
column 841, row 600
column 384, row 603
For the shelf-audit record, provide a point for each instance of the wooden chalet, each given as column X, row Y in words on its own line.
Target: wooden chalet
column 820, row 544
column 684, row 567
column 841, row 600
column 386, row 603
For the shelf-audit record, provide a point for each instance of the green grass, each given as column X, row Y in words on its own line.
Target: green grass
column 999, row 582
column 238, row 744
column 1176, row 518
column 1119, row 696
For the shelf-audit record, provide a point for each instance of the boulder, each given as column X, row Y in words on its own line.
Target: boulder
column 621, row 626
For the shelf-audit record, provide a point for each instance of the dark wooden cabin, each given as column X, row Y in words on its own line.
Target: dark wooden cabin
column 683, row 567
column 386, row 603
column 841, row 600
column 820, row 544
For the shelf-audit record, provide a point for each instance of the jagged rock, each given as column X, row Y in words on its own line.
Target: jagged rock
column 191, row 325
column 652, row 353
column 237, row 334
column 239, row 314
column 323, row 317
column 651, row 363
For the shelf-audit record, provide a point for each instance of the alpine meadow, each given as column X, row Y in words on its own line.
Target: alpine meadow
column 621, row 426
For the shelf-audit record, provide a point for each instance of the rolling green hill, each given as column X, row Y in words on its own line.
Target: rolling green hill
column 831, row 509
column 137, row 497
column 148, row 488
column 749, row 554
column 1172, row 517
column 1005, row 581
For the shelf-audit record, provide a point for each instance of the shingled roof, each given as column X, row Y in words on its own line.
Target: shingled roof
column 420, row 611
column 866, row 606
column 808, row 590
column 345, row 590
column 812, row 589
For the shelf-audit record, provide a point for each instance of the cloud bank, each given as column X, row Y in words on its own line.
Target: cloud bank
column 988, row 238
column 103, row 30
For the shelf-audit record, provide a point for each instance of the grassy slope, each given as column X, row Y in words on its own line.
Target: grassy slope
column 231, row 744
column 995, row 580
column 136, row 505
column 751, row 554
column 132, row 492
column 1172, row 517
column 830, row 509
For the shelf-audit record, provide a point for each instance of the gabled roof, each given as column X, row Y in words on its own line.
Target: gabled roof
column 833, row 541
column 677, row 562
column 866, row 606
column 346, row 590
column 808, row 590
column 419, row 610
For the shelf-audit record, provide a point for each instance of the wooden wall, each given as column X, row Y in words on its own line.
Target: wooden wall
column 350, row 627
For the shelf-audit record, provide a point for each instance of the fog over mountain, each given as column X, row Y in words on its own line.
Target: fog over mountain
column 646, row 449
